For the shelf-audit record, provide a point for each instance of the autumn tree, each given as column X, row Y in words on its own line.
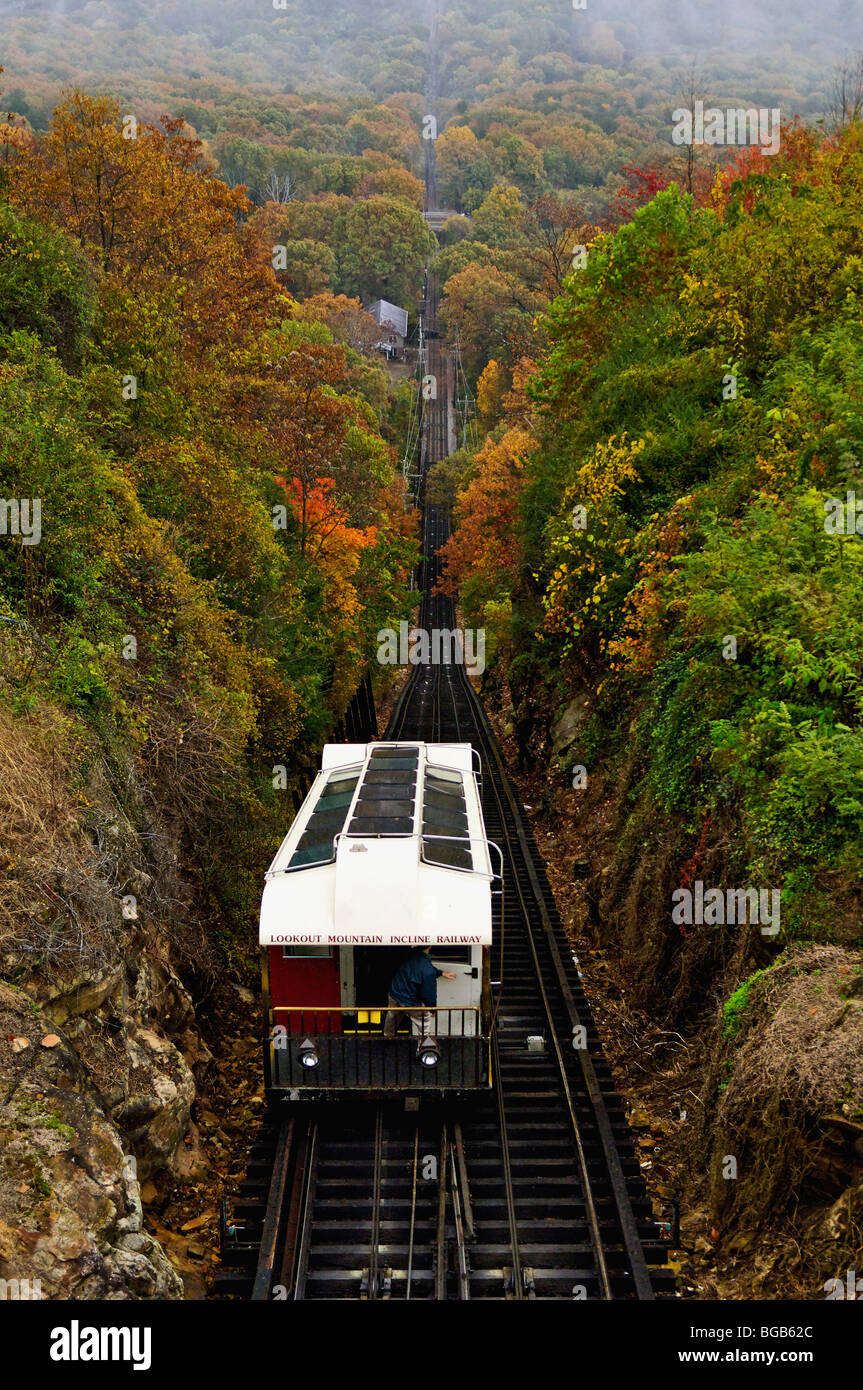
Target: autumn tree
column 499, row 219
column 346, row 318
column 488, row 305
column 145, row 209
column 554, row 230
column 490, row 391
column 394, row 183
column 306, row 268
column 319, row 442
column 385, row 245
column 464, row 171
column 846, row 95
column 482, row 557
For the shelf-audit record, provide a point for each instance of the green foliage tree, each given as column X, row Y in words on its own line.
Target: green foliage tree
column 386, row 243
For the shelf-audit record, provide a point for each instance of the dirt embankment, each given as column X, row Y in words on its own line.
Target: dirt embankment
column 741, row 1061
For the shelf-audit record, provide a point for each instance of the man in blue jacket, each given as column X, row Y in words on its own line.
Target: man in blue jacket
column 415, row 984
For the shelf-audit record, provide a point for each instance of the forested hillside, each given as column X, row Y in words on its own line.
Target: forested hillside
column 702, row 408
column 320, row 92
column 212, row 474
column 380, row 46
column 221, row 531
column 656, row 533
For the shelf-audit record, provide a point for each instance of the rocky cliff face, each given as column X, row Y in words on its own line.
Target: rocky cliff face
column 70, row 1207
column 99, row 1052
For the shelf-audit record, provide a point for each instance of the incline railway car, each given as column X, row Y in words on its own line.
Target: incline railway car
column 387, row 857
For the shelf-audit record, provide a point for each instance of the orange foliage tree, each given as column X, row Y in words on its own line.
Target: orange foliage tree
column 482, row 559
column 141, row 202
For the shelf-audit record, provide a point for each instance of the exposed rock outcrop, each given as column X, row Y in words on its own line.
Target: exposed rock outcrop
column 567, row 726
column 89, row 940
column 70, row 1206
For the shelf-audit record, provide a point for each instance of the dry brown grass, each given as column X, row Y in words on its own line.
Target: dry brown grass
column 82, row 825
column 797, row 1059
column 57, row 910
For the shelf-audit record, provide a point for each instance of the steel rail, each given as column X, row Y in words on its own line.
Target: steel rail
column 263, row 1284
column 511, row 819
column 520, row 853
column 373, row 1288
column 467, row 1206
column 509, row 1189
column 580, row 1154
column 289, row 1255
column 441, row 1256
column 305, row 1223
column 410, row 1268
column 462, row 1266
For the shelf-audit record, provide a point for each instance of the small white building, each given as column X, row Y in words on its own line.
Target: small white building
column 394, row 324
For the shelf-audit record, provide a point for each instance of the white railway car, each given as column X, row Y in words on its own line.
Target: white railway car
column 388, row 855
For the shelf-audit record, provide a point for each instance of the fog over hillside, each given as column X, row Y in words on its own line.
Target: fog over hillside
column 379, row 46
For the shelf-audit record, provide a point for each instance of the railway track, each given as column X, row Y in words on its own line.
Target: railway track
column 355, row 1207
column 532, row 1190
column 566, row 1206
